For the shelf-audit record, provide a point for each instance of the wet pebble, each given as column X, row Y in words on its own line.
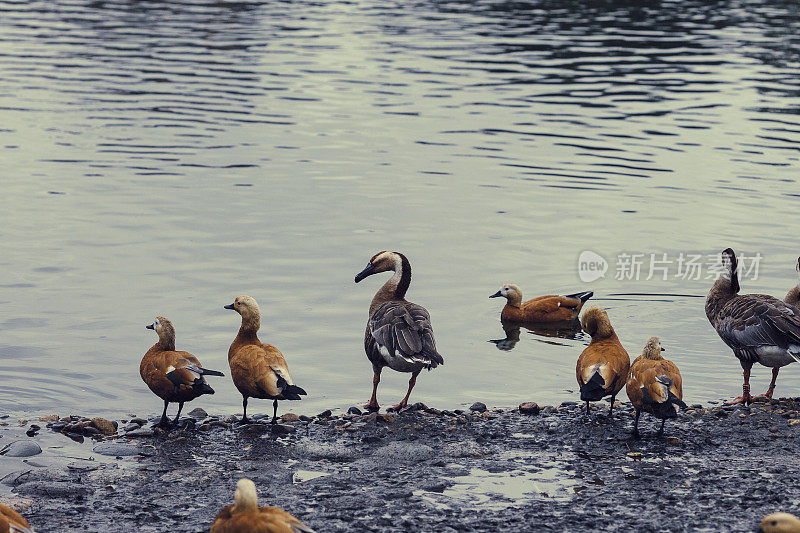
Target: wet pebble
column 354, row 411
column 478, row 407
column 198, row 413
column 283, row 429
column 325, row 414
column 290, row 417
column 21, row 448
column 529, row 408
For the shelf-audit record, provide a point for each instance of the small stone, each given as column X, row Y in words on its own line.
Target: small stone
column 49, row 418
column 354, row 411
column 305, row 418
column 140, row 421
column 21, row 448
column 697, row 406
column 325, row 414
column 419, row 406
column 568, row 404
column 204, row 427
column 283, row 429
column 106, row 427
column 386, row 418
column 674, row 441
column 198, row 413
column 290, row 417
column 529, row 408
column 721, row 414
column 636, row 456
column 140, row 432
column 479, row 407
column 794, row 421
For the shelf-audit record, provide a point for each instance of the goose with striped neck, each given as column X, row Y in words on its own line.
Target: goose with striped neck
column 757, row 327
column 399, row 333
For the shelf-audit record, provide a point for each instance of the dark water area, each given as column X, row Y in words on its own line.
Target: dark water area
column 162, row 158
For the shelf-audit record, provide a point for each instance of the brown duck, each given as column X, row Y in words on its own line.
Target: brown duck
column 399, row 333
column 258, row 370
column 603, row 366
column 654, row 385
column 757, row 327
column 173, row 376
column 13, row 522
column 542, row 309
column 245, row 516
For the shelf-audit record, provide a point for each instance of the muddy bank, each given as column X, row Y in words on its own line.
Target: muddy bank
column 422, row 470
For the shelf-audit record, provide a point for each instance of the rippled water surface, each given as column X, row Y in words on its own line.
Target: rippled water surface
column 162, row 158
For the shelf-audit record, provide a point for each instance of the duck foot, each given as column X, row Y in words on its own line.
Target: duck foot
column 371, row 406
column 244, row 421
column 744, row 399
column 398, row 407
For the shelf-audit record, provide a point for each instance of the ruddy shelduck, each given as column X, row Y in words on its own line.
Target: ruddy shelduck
column 399, row 333
column 603, row 366
column 780, row 523
column 258, row 370
column 757, row 327
column 172, row 375
column 245, row 516
column 13, row 522
column 654, row 385
column 542, row 309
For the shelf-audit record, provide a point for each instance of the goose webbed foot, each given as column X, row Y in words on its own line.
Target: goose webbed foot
column 745, row 399
column 398, row 407
column 371, row 406
column 244, row 421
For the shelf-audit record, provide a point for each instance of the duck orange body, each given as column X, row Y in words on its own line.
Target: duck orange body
column 173, row 376
column 603, row 366
column 245, row 516
column 13, row 522
column 258, row 370
column 654, row 385
column 542, row 309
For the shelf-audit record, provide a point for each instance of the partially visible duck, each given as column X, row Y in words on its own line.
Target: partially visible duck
column 793, row 296
column 654, row 385
column 780, row 523
column 757, row 327
column 542, row 309
column 13, row 522
column 245, row 516
column 603, row 366
column 399, row 333
column 173, row 376
column 258, row 370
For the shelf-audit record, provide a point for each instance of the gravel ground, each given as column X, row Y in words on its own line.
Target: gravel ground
column 715, row 469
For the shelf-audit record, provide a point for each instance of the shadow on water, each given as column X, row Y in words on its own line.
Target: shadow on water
column 562, row 330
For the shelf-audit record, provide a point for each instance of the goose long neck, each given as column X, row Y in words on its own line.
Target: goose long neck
column 721, row 293
column 395, row 287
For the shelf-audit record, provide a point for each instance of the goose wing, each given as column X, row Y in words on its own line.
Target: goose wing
column 404, row 328
column 756, row 320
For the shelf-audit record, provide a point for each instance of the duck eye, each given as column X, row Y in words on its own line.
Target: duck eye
column 774, row 523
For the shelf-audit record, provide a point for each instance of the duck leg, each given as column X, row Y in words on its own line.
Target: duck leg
column 611, row 409
column 635, row 433
column 164, row 420
column 767, row 396
column 244, row 412
column 274, row 412
column 411, row 383
column 180, row 406
column 661, row 429
column 745, row 398
column 372, row 404
column 587, row 407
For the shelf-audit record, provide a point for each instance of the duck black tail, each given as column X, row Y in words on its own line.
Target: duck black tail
column 594, row 389
column 667, row 408
column 289, row 392
column 582, row 296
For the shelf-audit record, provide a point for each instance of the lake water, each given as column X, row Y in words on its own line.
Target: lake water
column 162, row 158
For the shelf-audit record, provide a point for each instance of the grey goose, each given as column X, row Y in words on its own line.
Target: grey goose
column 757, row 327
column 793, row 296
column 399, row 333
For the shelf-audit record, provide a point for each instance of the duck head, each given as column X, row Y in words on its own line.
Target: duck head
column 730, row 266
column 166, row 332
column 382, row 262
column 247, row 307
column 653, row 349
column 245, row 497
column 780, row 523
column 510, row 292
column 595, row 322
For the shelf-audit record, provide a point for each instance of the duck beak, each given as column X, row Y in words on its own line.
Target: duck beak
column 663, row 349
column 229, row 306
column 150, row 326
column 366, row 272
column 495, row 295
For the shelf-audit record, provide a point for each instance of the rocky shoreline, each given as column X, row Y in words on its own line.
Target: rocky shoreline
column 477, row 469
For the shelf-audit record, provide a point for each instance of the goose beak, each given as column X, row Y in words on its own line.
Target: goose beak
column 229, row 306
column 366, row 272
column 495, row 295
column 150, row 326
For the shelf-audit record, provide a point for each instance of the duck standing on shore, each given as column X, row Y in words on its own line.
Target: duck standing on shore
column 603, row 366
column 258, row 370
column 399, row 333
column 172, row 375
column 245, row 516
column 13, row 522
column 654, row 385
column 757, row 327
column 542, row 309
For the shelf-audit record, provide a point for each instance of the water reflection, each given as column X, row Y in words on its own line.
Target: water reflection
column 561, row 330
